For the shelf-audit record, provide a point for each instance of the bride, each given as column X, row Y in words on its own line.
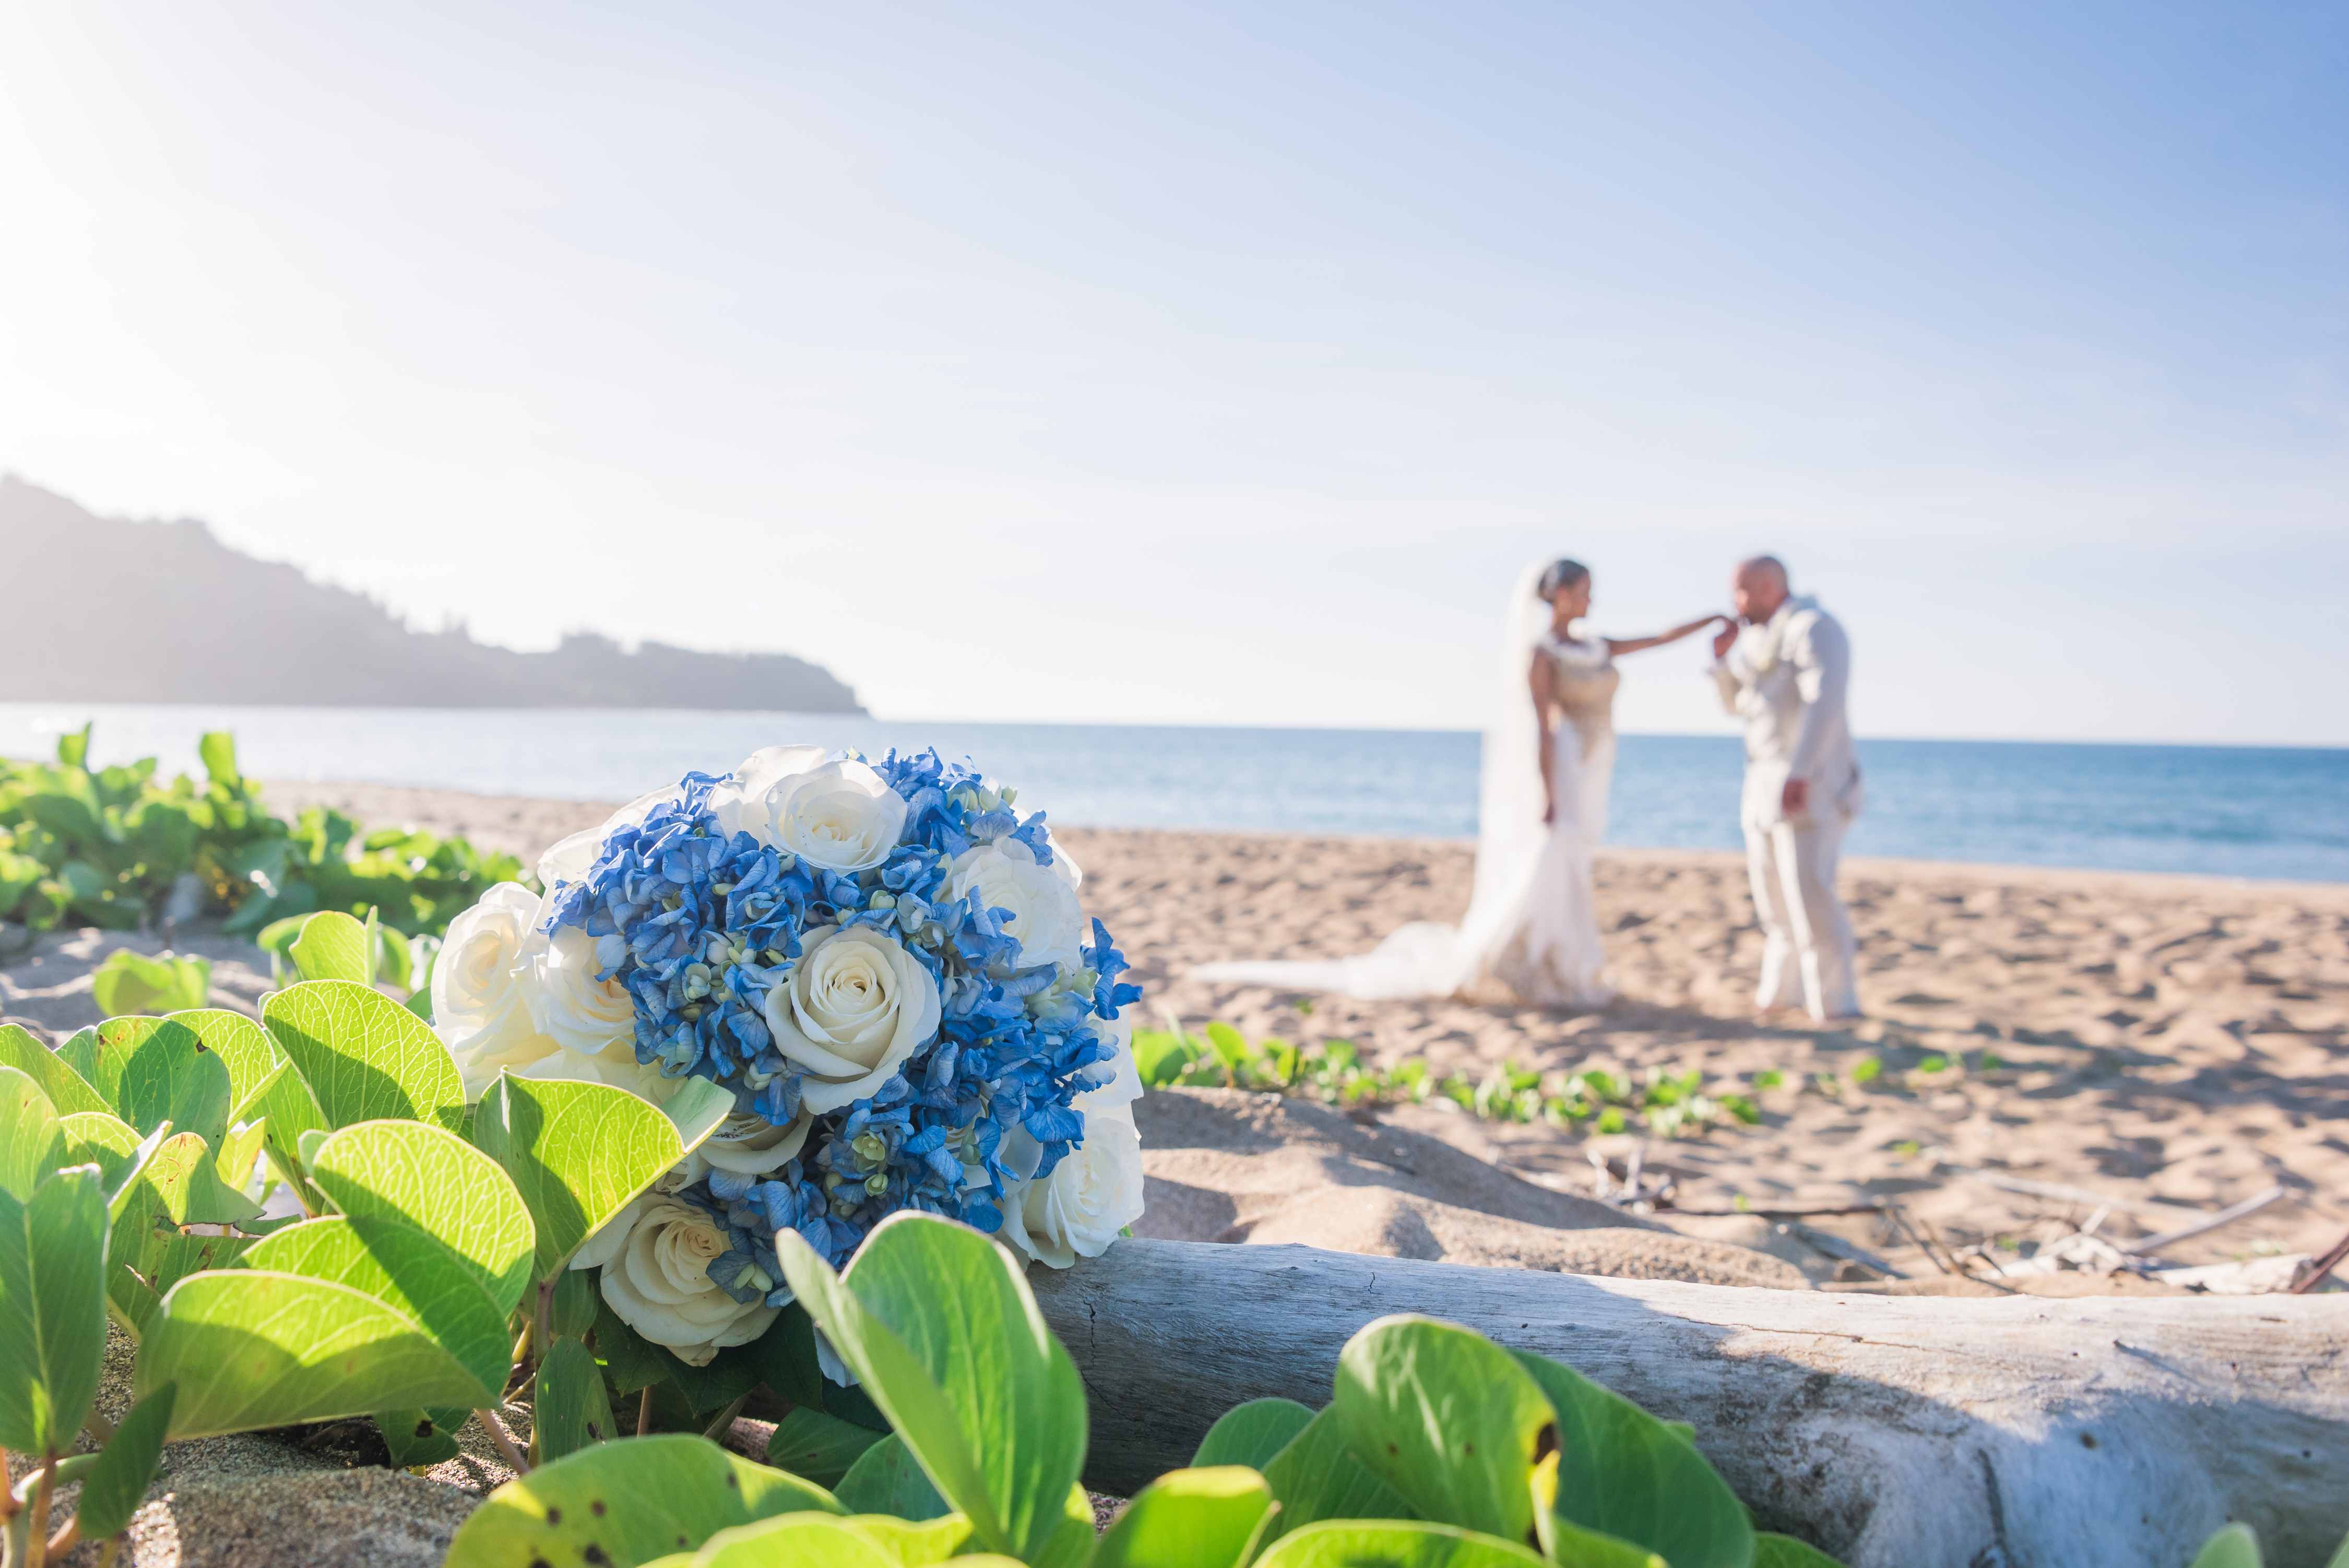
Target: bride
column 1531, row 934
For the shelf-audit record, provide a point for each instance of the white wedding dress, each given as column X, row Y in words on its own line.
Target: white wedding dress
column 1531, row 934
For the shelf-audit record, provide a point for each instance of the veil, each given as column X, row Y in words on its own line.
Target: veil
column 1428, row 958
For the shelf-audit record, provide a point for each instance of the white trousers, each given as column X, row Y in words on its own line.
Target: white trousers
column 1807, row 958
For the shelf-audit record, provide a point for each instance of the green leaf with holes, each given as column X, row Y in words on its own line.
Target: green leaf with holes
column 626, row 1503
column 569, row 1406
column 1447, row 1418
column 153, row 1070
column 52, row 1310
column 1625, row 1474
column 241, row 1045
column 434, row 1180
column 32, row 1141
column 68, row 1090
column 422, row 1437
column 1315, row 1478
column 364, row 1055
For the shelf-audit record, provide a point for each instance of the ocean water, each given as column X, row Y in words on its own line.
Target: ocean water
column 2237, row 811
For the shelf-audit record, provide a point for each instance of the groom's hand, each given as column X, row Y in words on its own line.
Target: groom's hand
column 1725, row 639
column 1795, row 800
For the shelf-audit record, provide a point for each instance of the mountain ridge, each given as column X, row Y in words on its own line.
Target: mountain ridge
column 108, row 610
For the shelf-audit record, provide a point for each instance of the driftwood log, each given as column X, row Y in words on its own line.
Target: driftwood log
column 1894, row 1432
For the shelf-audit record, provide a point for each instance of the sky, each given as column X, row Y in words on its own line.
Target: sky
column 1222, row 364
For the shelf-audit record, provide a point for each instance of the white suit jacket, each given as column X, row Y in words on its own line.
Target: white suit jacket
column 1786, row 679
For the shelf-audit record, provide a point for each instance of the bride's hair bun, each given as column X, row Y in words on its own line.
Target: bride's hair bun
column 1559, row 575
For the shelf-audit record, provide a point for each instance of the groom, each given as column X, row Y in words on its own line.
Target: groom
column 1784, row 672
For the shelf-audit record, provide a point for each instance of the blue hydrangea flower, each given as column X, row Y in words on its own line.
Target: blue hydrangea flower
column 700, row 925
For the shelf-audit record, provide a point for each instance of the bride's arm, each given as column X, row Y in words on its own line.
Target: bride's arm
column 1633, row 645
column 1543, row 680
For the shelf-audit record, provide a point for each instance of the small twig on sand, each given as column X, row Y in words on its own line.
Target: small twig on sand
column 2321, row 1267
column 2226, row 1216
column 1751, row 1212
column 1893, row 1213
column 2150, row 1208
column 504, row 1441
column 1836, row 1247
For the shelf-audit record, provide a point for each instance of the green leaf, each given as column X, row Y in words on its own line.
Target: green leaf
column 970, row 1377
column 241, row 1045
column 632, row 1362
column 925, row 1542
column 577, row 1299
column 819, row 1448
column 1202, row 1518
column 108, row 1142
column 794, row 1540
column 436, row 1182
column 1251, row 1434
column 1785, row 1552
column 1354, row 1543
column 80, row 1053
column 72, row 748
column 886, row 1480
column 785, row 1356
column 2234, row 1546
column 626, row 1503
column 171, row 1257
column 1314, row 1479
column 333, row 946
column 1447, row 1418
column 252, row 1349
column 569, row 1406
column 577, row 1153
column 32, row 1143
column 52, row 1310
column 407, row 1270
column 1624, row 1473
column 112, row 1492
column 697, row 1110
column 170, row 1183
column 153, row 1070
column 285, row 1110
column 218, row 751
column 131, row 982
column 422, row 1437
column 240, row 1148
column 68, row 1091
column 364, row 1055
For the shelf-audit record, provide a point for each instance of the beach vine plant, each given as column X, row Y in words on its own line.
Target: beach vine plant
column 1333, row 1072
column 421, row 1266
column 119, row 846
column 1438, row 1449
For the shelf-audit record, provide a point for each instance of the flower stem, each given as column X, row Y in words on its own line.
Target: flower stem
column 644, row 1412
column 504, row 1441
column 36, row 1534
column 67, row 1539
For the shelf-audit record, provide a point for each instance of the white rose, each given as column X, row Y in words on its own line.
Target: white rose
column 567, row 1004
column 1094, row 1192
column 856, row 1005
column 604, row 1245
column 477, row 988
column 748, row 1144
column 658, row 1282
column 1042, row 904
column 842, row 816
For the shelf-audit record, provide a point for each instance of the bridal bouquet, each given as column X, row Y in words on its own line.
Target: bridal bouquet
column 890, row 969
